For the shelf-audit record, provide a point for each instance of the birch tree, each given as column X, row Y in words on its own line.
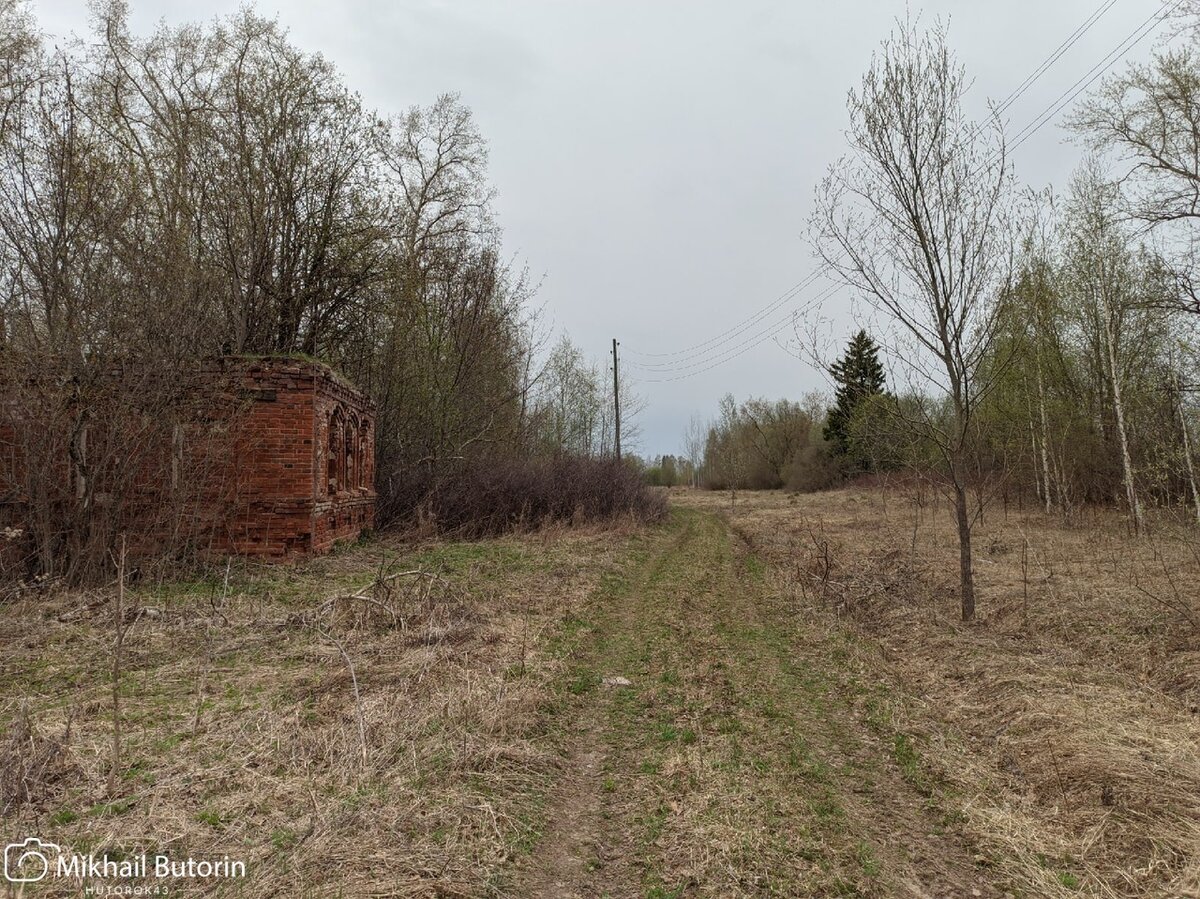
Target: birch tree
column 1185, row 431
column 693, row 446
column 1102, row 272
column 914, row 220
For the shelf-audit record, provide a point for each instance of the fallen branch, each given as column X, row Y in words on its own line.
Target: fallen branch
column 362, row 730
column 328, row 605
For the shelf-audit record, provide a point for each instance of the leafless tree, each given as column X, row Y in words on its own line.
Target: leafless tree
column 572, row 410
column 1149, row 117
column 694, row 439
column 914, row 219
column 212, row 189
column 17, row 45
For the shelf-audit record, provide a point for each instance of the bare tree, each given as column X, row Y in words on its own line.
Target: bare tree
column 18, row 44
column 573, row 411
column 1112, row 287
column 694, row 439
column 914, row 219
column 775, row 433
column 1149, row 116
column 209, row 189
column 1185, row 431
column 727, row 448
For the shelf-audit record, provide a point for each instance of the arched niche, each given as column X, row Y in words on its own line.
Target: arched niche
column 335, row 452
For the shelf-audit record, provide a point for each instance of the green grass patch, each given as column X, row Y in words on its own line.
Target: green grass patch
column 111, row 809
column 284, row 838
column 905, row 753
column 210, row 817
column 1069, row 880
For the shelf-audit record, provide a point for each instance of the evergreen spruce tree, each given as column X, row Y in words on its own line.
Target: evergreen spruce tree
column 859, row 375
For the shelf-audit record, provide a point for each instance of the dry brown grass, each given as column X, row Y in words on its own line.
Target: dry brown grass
column 241, row 729
column 1058, row 735
column 1063, row 725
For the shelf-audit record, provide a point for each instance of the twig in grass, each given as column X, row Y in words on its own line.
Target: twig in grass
column 1024, row 581
column 525, row 634
column 217, row 611
column 28, row 759
column 1181, row 601
column 119, row 622
column 360, row 596
column 312, row 817
column 464, row 708
column 208, row 646
column 1058, row 776
column 362, row 730
column 380, row 584
column 203, row 682
column 1177, row 607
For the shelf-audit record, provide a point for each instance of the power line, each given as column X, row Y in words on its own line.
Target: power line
column 1135, row 38
column 758, row 316
column 789, row 296
column 701, row 348
column 690, row 369
column 733, row 352
column 1055, row 55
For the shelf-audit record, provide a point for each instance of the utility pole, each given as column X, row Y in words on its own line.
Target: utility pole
column 616, row 400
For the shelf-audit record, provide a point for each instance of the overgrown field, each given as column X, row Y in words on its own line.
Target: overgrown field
column 776, row 699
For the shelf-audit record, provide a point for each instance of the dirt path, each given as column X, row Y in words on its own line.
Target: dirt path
column 578, row 841
column 714, row 745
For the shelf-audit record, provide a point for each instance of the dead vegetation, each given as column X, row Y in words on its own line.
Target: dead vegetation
column 372, row 722
column 400, row 720
column 1063, row 728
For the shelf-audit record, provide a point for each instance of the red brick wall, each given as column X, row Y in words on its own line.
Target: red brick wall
column 344, row 504
column 256, row 438
column 285, row 505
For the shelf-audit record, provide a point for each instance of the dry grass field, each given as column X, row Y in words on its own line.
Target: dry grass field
column 776, row 698
column 240, row 729
column 1062, row 730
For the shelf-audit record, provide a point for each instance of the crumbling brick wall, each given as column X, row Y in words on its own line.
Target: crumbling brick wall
column 267, row 457
column 306, row 461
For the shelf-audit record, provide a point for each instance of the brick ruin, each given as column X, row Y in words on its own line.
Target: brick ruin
column 266, row 457
column 306, row 461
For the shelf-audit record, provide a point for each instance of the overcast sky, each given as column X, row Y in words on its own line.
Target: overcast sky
column 655, row 161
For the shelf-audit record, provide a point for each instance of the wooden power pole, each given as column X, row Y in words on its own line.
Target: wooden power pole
column 616, row 400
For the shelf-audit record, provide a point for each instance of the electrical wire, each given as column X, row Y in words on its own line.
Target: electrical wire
column 1095, row 72
column 1056, row 54
column 692, row 368
column 755, row 341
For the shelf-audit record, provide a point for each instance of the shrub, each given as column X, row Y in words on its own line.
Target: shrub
column 496, row 496
column 813, row 468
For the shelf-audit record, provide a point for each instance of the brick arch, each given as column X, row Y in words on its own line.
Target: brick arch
column 335, row 454
column 350, row 454
column 365, row 462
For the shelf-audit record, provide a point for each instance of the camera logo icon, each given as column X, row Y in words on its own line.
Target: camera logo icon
column 28, row 862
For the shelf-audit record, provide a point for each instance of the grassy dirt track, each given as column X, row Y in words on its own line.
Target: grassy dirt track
column 717, row 746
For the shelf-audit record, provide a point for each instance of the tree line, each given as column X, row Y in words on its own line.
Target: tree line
column 211, row 189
